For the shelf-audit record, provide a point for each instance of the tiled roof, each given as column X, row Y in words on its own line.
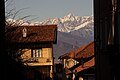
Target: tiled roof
column 84, row 60
column 72, row 53
column 35, row 34
column 84, row 51
column 85, row 66
column 88, row 51
column 87, row 55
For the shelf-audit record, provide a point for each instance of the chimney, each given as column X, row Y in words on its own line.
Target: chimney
column 24, row 32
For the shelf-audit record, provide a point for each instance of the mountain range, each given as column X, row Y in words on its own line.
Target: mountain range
column 73, row 31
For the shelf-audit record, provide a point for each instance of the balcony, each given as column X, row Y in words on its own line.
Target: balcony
column 37, row 61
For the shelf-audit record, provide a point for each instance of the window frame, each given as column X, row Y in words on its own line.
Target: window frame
column 36, row 53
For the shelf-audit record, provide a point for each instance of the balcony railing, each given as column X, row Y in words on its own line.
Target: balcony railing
column 39, row 60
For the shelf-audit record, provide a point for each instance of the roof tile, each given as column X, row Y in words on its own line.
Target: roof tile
column 84, row 51
column 43, row 33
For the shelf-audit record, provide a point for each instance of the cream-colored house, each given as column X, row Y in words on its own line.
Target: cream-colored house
column 80, row 61
column 68, row 63
column 69, row 59
column 33, row 57
column 34, row 47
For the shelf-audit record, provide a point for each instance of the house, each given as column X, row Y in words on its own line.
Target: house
column 69, row 59
column 33, row 46
column 84, row 56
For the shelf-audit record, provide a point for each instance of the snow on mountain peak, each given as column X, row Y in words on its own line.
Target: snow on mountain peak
column 67, row 23
column 71, row 29
column 70, row 15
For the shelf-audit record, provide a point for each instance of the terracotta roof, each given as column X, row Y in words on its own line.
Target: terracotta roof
column 84, row 51
column 43, row 33
column 88, row 51
column 86, row 66
column 72, row 53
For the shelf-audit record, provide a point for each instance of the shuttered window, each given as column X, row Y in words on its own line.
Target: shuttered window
column 36, row 53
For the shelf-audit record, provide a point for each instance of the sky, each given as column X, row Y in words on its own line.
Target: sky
column 44, row 9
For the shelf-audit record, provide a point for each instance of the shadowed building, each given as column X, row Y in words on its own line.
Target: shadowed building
column 33, row 46
column 107, row 39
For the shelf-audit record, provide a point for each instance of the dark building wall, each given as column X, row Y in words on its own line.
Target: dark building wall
column 3, row 65
column 117, row 41
column 107, row 39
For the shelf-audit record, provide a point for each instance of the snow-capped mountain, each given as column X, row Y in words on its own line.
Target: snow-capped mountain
column 68, row 23
column 73, row 31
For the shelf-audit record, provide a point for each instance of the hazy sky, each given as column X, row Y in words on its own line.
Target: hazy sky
column 44, row 9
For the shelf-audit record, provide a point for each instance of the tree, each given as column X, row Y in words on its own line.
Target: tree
column 12, row 69
column 14, row 15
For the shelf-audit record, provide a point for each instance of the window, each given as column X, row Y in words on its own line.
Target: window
column 36, row 53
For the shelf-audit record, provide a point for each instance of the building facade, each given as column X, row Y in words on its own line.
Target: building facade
column 33, row 46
